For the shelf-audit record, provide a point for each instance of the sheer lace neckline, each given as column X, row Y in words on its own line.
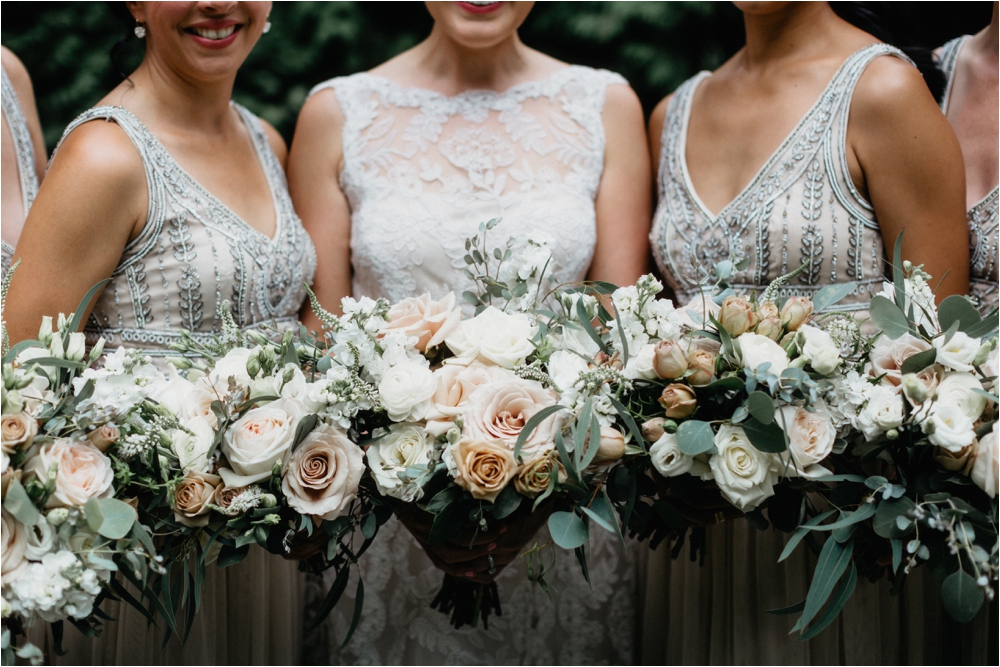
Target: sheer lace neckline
column 774, row 156
column 202, row 190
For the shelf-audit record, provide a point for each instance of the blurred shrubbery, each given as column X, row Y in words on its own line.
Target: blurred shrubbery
column 655, row 45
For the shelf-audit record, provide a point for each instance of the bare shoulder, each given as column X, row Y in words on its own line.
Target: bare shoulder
column 658, row 117
column 622, row 104
column 16, row 70
column 891, row 88
column 102, row 152
column 321, row 110
column 276, row 140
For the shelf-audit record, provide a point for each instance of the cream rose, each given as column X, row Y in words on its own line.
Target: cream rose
column 737, row 316
column 534, row 476
column 795, row 312
column 83, row 472
column 499, row 410
column 14, row 542
column 744, row 474
column 611, row 446
column 104, row 436
column 669, row 360
column 986, row 468
column 818, row 349
column 811, row 436
column 701, row 356
column 668, row 459
column 494, row 337
column 958, row 353
column 887, row 356
column 454, row 384
column 18, row 431
column 483, row 468
column 420, row 317
column 678, row 400
column 322, row 475
column 192, row 448
column 260, row 438
column 233, row 365
column 958, row 389
column 406, row 390
column 642, row 365
column 405, row 445
column 758, row 350
column 193, row 498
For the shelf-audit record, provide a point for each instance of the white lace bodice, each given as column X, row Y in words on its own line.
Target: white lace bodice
column 422, row 170
column 25, row 150
column 983, row 216
column 801, row 206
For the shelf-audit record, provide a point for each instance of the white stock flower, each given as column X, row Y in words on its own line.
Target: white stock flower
column 565, row 369
column 406, row 391
column 818, row 349
column 745, row 475
column 958, row 353
column 757, row 350
column 57, row 587
column 406, row 445
column 949, row 427
column 126, row 380
column 494, row 337
column 186, row 399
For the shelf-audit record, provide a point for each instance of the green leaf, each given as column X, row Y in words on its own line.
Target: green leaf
column 987, row 326
column 761, row 407
column 18, row 502
column 919, row 361
column 897, row 554
column 332, row 598
column 598, row 519
column 59, row 363
column 507, row 502
column 765, row 437
column 305, row 427
column 19, row 348
column 885, row 518
column 621, row 333
column 581, row 314
column 74, row 324
column 888, row 318
column 830, row 295
column 801, row 533
column 92, row 511
column 898, row 281
column 368, row 526
column 359, row 603
column 139, row 533
column 957, row 308
column 629, row 422
column 848, row 518
column 118, row 520
column 568, row 530
column 833, row 561
column 448, row 523
column 695, row 437
column 961, row 596
column 725, row 384
column 843, row 593
column 232, row 555
column 790, row 609
column 532, row 424
column 839, row 478
column 607, row 511
column 443, row 498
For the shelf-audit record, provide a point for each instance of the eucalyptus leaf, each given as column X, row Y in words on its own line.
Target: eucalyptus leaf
column 74, row 324
column 885, row 518
column 830, row 295
column 848, row 518
column 359, row 603
column 919, row 361
column 119, row 518
column 761, row 407
column 888, row 318
column 838, row 599
column 332, row 598
column 305, row 427
column 801, row 533
column 18, row 503
column 695, row 437
column 567, row 530
column 956, row 308
column 961, row 596
column 765, row 437
column 92, row 512
column 833, row 561
column 532, row 424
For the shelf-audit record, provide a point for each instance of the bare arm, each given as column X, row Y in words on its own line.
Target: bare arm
column 905, row 155
column 21, row 82
column 94, row 199
column 277, row 143
column 314, row 167
column 656, row 120
column 624, row 200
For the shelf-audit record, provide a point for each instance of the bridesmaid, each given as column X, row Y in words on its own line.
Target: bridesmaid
column 391, row 171
column 809, row 143
column 23, row 152
column 178, row 196
column 970, row 103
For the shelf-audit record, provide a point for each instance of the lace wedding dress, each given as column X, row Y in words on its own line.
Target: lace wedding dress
column 801, row 206
column 13, row 117
column 421, row 171
column 192, row 254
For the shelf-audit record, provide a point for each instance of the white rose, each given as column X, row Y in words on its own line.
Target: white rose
column 233, row 365
column 957, row 389
column 744, row 474
column 406, row 391
column 811, row 436
column 642, row 365
column 958, row 353
column 261, row 437
column 884, row 411
column 985, row 470
column 192, row 448
column 83, row 472
column 949, row 427
column 667, row 457
column 494, row 337
column 757, row 350
column 818, row 349
column 187, row 400
column 406, row 445
column 12, row 560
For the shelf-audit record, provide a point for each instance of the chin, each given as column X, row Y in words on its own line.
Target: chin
column 479, row 24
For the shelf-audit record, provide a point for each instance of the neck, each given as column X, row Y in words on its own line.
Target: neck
column 989, row 37
column 462, row 68
column 788, row 32
column 182, row 102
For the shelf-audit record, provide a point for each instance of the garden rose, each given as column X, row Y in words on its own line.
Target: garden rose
column 224, row 496
column 534, row 476
column 758, row 350
column 14, row 542
column 642, row 364
column 186, row 399
column 483, row 468
column 233, row 365
column 193, row 497
column 795, row 312
column 405, row 445
column 499, row 410
column 420, row 317
column 406, row 390
column 737, row 316
column 260, row 438
column 887, row 356
column 18, row 431
column 678, row 400
column 83, row 472
column 494, row 337
column 744, row 473
column 958, row 353
column 104, row 436
column 454, row 384
column 811, row 436
column 770, row 327
column 985, row 471
column 670, row 361
column 322, row 475
column 667, row 457
column 192, row 448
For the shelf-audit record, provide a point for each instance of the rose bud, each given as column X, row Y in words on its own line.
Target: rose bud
column 701, row 363
column 669, row 360
column 736, row 315
column 534, row 476
column 611, row 447
column 104, row 437
column 678, row 400
column 95, row 352
column 768, row 310
column 652, row 430
column 770, row 327
column 795, row 312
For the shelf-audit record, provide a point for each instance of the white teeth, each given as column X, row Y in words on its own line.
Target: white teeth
column 215, row 34
column 482, row 3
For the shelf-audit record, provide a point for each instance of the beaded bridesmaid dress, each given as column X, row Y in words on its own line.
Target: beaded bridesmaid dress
column 15, row 123
column 421, row 171
column 801, row 206
column 192, row 254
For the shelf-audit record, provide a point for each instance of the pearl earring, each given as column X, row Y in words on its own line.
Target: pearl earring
column 140, row 30
column 267, row 27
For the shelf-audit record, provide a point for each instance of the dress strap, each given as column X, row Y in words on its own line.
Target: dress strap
column 22, row 142
column 675, row 125
column 946, row 62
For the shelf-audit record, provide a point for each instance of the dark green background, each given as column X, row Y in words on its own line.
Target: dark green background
column 655, row 45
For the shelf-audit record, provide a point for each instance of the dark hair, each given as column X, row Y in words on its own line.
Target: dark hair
column 892, row 25
column 121, row 48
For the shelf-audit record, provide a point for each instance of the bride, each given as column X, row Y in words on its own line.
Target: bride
column 391, row 170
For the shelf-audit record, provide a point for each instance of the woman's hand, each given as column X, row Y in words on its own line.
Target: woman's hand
column 476, row 556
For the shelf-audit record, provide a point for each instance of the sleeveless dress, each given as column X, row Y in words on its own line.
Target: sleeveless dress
column 25, row 149
column 192, row 254
column 421, row 171
column 801, row 206
column 982, row 217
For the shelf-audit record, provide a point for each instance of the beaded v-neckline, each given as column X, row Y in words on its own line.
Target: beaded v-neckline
column 774, row 156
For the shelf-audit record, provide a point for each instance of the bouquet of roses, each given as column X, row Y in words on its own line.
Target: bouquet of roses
column 65, row 534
